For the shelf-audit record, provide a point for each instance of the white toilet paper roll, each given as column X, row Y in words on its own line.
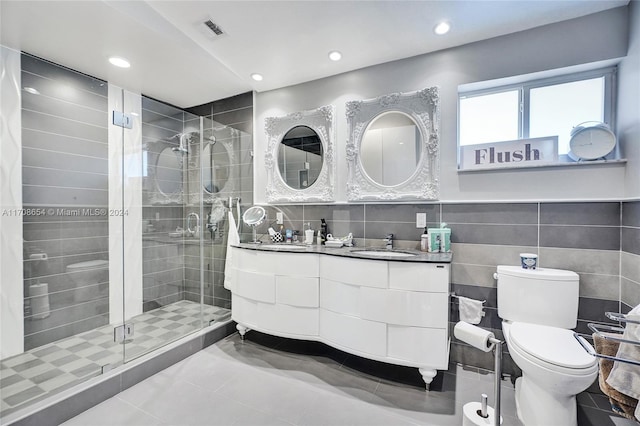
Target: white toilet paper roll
column 475, row 336
column 38, row 289
column 39, row 300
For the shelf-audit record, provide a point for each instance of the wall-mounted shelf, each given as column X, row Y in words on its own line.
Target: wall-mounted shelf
column 618, row 162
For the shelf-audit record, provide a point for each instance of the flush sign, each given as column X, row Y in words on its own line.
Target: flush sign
column 510, row 154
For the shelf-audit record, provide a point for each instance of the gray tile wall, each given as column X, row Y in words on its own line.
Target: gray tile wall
column 583, row 237
column 64, row 173
column 630, row 255
column 162, row 256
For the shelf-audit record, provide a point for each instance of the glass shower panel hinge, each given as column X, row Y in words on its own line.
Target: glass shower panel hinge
column 123, row 120
column 123, row 333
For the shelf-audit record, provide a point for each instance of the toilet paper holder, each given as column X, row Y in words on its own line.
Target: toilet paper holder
column 498, row 376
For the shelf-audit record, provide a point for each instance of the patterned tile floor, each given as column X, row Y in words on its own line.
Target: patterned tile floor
column 51, row 368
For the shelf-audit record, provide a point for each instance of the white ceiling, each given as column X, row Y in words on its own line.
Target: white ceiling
column 174, row 58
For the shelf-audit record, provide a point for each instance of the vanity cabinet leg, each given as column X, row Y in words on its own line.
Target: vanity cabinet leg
column 427, row 375
column 242, row 330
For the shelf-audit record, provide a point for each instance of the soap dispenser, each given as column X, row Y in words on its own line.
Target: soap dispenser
column 308, row 234
column 424, row 240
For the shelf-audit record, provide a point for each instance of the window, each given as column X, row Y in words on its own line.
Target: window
column 537, row 108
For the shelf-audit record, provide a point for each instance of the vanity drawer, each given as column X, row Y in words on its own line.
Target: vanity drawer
column 422, row 346
column 401, row 307
column 298, row 291
column 340, row 297
column 432, row 277
column 297, row 264
column 254, row 260
column 371, row 273
column 255, row 286
column 348, row 332
column 275, row 319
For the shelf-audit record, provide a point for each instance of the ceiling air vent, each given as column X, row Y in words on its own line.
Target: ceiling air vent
column 214, row 27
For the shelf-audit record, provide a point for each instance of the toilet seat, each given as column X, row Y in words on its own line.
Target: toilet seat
column 551, row 347
column 87, row 265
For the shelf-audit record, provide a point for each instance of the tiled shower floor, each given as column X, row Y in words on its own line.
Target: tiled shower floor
column 56, row 366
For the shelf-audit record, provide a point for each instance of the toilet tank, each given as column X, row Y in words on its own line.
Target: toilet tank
column 538, row 296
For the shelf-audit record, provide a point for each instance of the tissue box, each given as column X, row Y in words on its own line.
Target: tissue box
column 439, row 239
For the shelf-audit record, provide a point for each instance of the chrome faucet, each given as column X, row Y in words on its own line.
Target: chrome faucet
column 194, row 231
column 388, row 241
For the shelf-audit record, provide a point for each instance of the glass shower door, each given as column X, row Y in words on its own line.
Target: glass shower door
column 163, row 229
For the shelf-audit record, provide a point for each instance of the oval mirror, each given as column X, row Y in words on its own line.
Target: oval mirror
column 254, row 216
column 300, row 157
column 169, row 171
column 215, row 167
column 391, row 148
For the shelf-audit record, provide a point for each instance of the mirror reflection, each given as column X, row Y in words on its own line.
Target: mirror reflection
column 169, row 171
column 300, row 157
column 391, row 148
column 215, row 166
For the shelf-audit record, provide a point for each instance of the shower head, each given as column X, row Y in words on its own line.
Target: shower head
column 183, row 148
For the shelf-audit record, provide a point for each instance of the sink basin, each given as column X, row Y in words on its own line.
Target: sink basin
column 283, row 246
column 383, row 253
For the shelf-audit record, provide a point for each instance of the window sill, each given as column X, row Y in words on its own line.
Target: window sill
column 621, row 161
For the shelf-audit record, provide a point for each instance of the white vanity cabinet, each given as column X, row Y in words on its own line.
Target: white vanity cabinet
column 277, row 293
column 390, row 311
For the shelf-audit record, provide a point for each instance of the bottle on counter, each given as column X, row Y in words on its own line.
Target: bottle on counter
column 424, row 241
column 324, row 231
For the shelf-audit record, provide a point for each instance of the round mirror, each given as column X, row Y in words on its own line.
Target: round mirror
column 169, row 171
column 300, row 157
column 391, row 148
column 215, row 167
column 254, row 216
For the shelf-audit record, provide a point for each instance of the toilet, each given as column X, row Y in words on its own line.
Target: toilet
column 84, row 275
column 539, row 307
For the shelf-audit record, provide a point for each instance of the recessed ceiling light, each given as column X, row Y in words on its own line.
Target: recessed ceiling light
column 31, row 90
column 334, row 55
column 442, row 28
column 119, row 62
column 257, row 77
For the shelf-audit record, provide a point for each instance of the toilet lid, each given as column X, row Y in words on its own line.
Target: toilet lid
column 553, row 345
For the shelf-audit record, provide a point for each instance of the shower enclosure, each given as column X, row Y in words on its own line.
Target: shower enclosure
column 113, row 216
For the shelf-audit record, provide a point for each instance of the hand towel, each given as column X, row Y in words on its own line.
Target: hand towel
column 232, row 239
column 470, row 310
column 620, row 403
column 625, row 377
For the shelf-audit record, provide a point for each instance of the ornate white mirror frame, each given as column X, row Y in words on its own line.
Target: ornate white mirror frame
column 320, row 120
column 423, row 106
